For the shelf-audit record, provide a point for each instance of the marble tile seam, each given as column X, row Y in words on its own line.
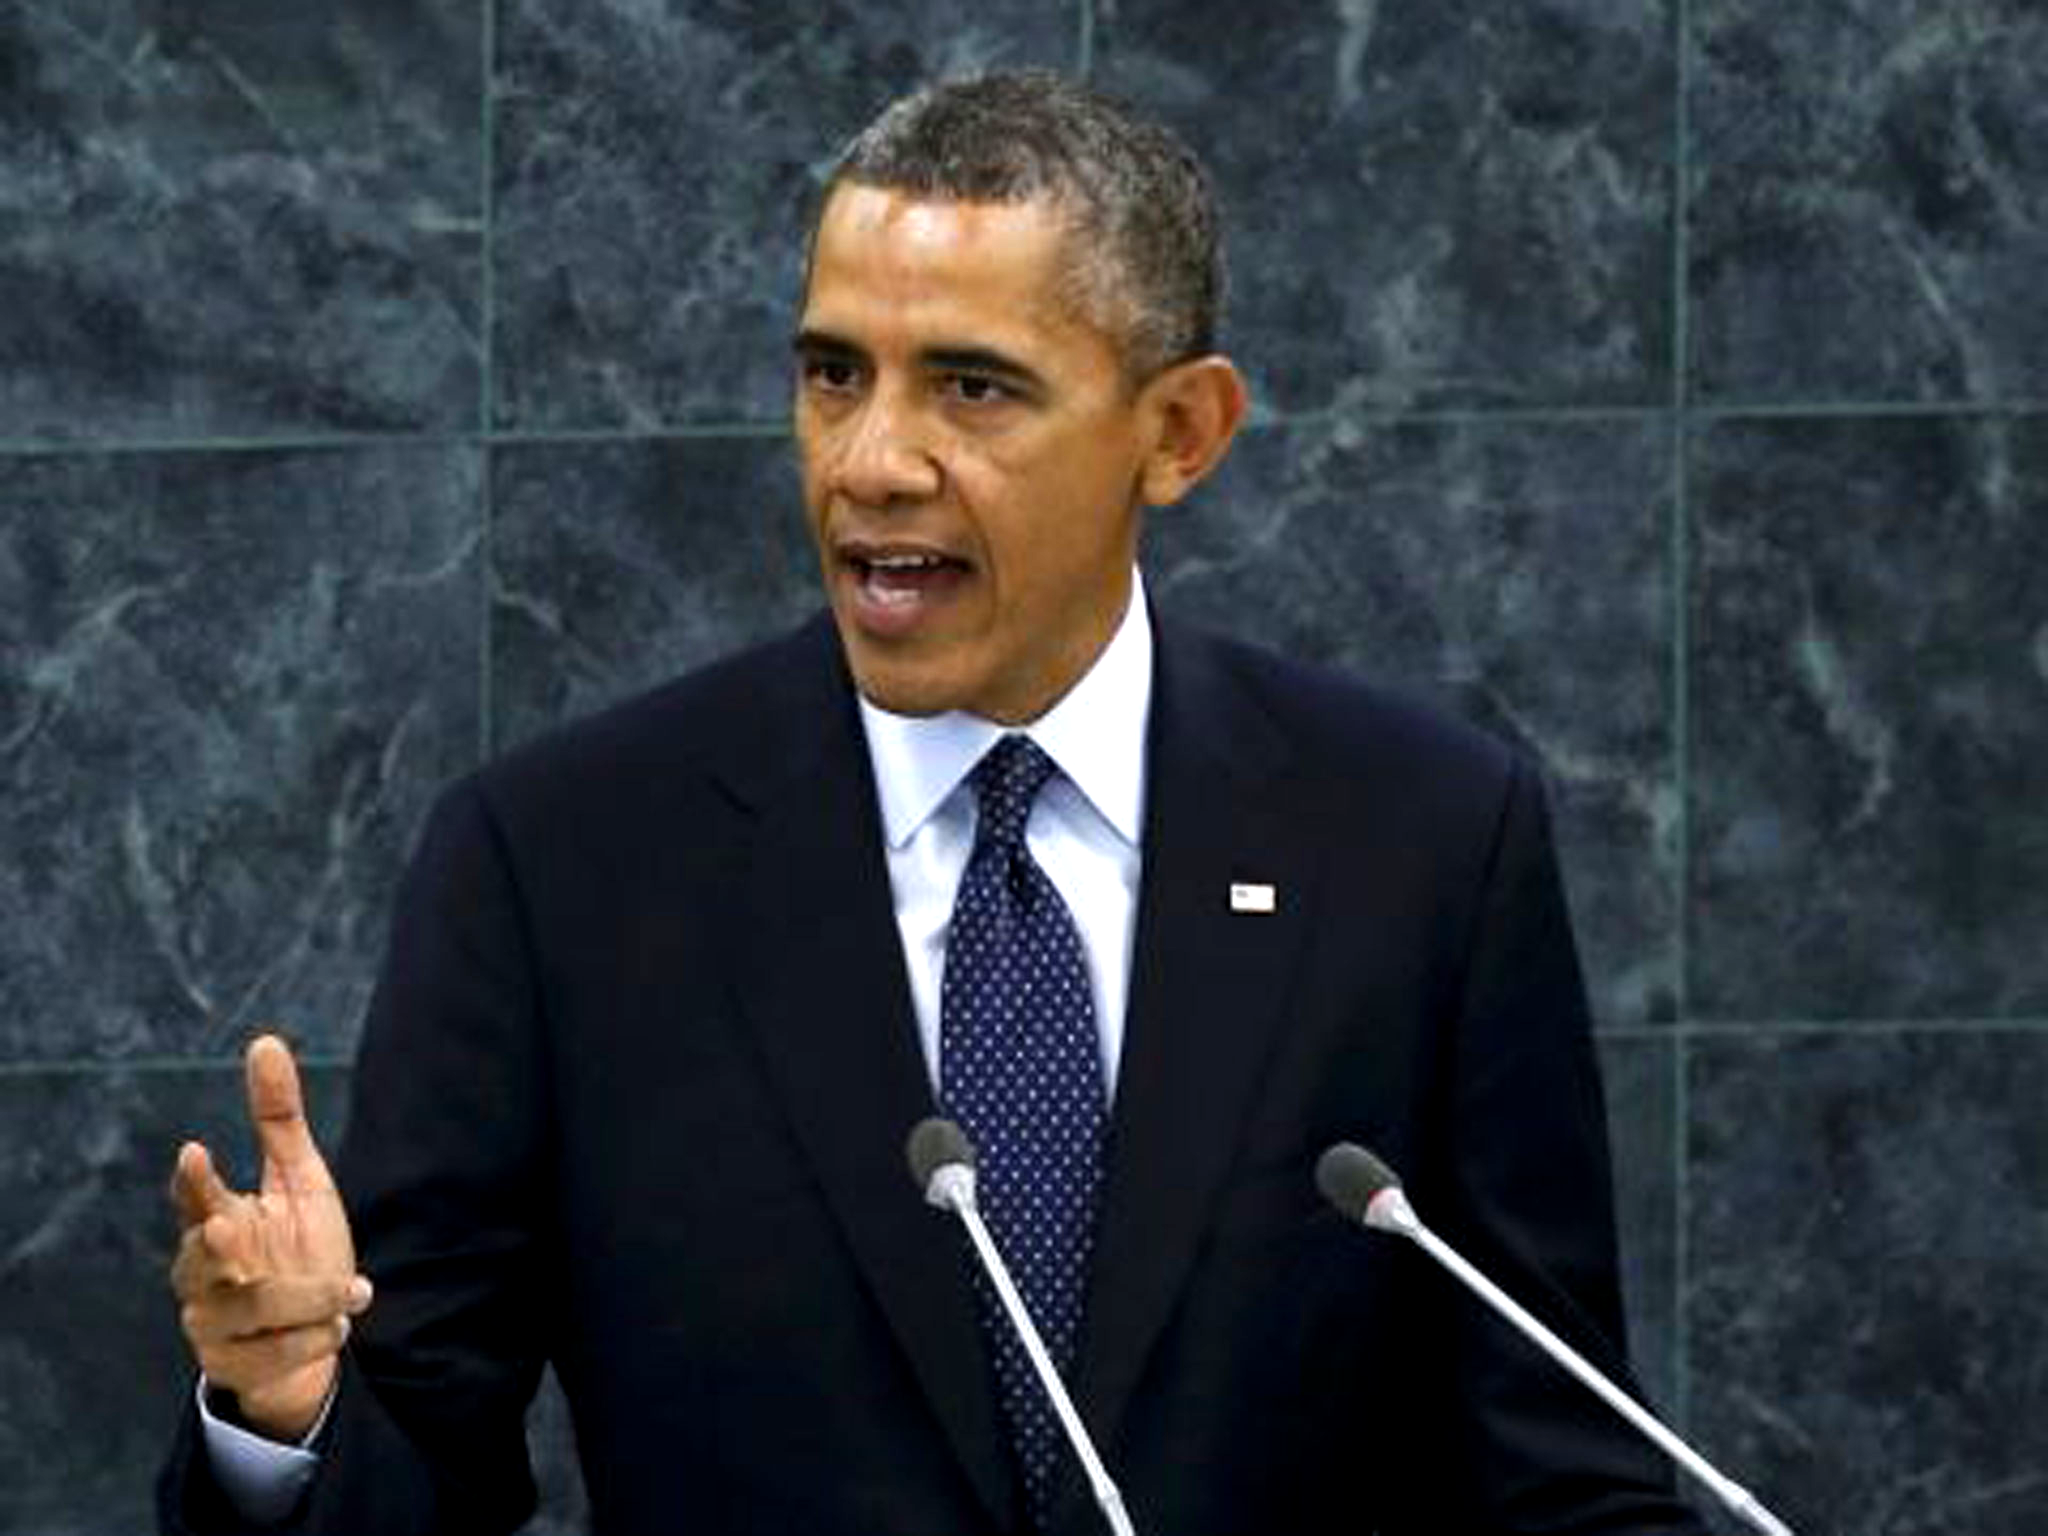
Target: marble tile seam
column 1679, row 636
column 1392, row 416
column 1681, row 206
column 487, row 218
column 487, row 595
column 1636, row 1034
column 1633, row 1034
column 487, row 374
column 1675, row 1030
column 88, row 448
column 316, row 441
column 1842, row 1029
column 153, row 1066
column 679, row 431
column 1680, row 1067
column 1861, row 409
column 1691, row 409
column 1679, row 514
column 1819, row 410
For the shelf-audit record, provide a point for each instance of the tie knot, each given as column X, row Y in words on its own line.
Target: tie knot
column 1006, row 781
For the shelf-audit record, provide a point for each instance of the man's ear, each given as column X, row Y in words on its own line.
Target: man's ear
column 1197, row 407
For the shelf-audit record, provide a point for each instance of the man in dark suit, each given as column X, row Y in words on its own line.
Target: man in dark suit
column 667, row 989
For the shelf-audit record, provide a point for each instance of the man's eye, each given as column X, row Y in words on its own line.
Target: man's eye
column 833, row 374
column 978, row 389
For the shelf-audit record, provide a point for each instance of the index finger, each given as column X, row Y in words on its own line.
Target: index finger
column 277, row 1108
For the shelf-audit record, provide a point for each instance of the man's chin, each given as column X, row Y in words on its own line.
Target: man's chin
column 901, row 690
column 929, row 679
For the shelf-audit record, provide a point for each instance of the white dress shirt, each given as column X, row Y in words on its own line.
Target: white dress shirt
column 1083, row 831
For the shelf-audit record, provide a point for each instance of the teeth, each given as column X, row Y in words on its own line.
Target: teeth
column 904, row 562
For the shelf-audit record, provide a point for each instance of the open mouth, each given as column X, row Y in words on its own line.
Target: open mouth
column 897, row 578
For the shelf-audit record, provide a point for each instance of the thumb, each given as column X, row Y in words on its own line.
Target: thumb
column 278, row 1111
column 196, row 1189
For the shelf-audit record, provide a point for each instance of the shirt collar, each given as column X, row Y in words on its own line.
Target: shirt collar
column 1096, row 733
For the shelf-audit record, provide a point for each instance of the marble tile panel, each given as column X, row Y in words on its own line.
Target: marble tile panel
column 1641, row 1083
column 1869, row 1245
column 230, row 220
column 1515, row 572
column 656, row 163
column 229, row 683
column 1457, row 202
column 93, row 1371
column 1869, row 797
column 620, row 565
column 1869, row 207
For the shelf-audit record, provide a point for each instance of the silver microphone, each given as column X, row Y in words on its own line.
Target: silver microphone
column 1366, row 1190
column 942, row 1164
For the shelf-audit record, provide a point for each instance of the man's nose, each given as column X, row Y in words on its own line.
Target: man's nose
column 885, row 455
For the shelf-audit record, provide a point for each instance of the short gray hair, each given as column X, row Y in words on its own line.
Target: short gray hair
column 1145, row 256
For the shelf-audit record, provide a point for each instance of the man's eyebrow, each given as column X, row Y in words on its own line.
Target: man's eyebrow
column 810, row 343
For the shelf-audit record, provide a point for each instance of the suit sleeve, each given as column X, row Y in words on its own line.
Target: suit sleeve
column 445, row 1178
column 1521, row 1182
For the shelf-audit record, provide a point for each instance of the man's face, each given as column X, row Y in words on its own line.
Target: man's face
column 971, row 454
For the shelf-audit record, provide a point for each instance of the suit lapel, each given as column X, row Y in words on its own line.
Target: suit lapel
column 1208, row 990
column 824, row 986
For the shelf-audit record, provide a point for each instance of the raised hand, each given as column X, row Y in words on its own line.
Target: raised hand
column 267, row 1282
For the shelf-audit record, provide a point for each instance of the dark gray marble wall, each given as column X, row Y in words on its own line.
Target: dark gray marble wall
column 1664, row 385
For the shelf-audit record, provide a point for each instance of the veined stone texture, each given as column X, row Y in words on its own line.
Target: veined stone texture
column 1663, row 386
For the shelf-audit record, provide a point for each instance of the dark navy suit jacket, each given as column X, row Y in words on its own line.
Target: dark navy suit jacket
column 633, row 1096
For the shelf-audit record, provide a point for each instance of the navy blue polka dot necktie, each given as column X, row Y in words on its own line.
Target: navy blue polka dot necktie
column 1021, row 1071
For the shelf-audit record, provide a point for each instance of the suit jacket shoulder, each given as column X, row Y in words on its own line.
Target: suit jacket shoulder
column 1330, row 720
column 763, row 711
